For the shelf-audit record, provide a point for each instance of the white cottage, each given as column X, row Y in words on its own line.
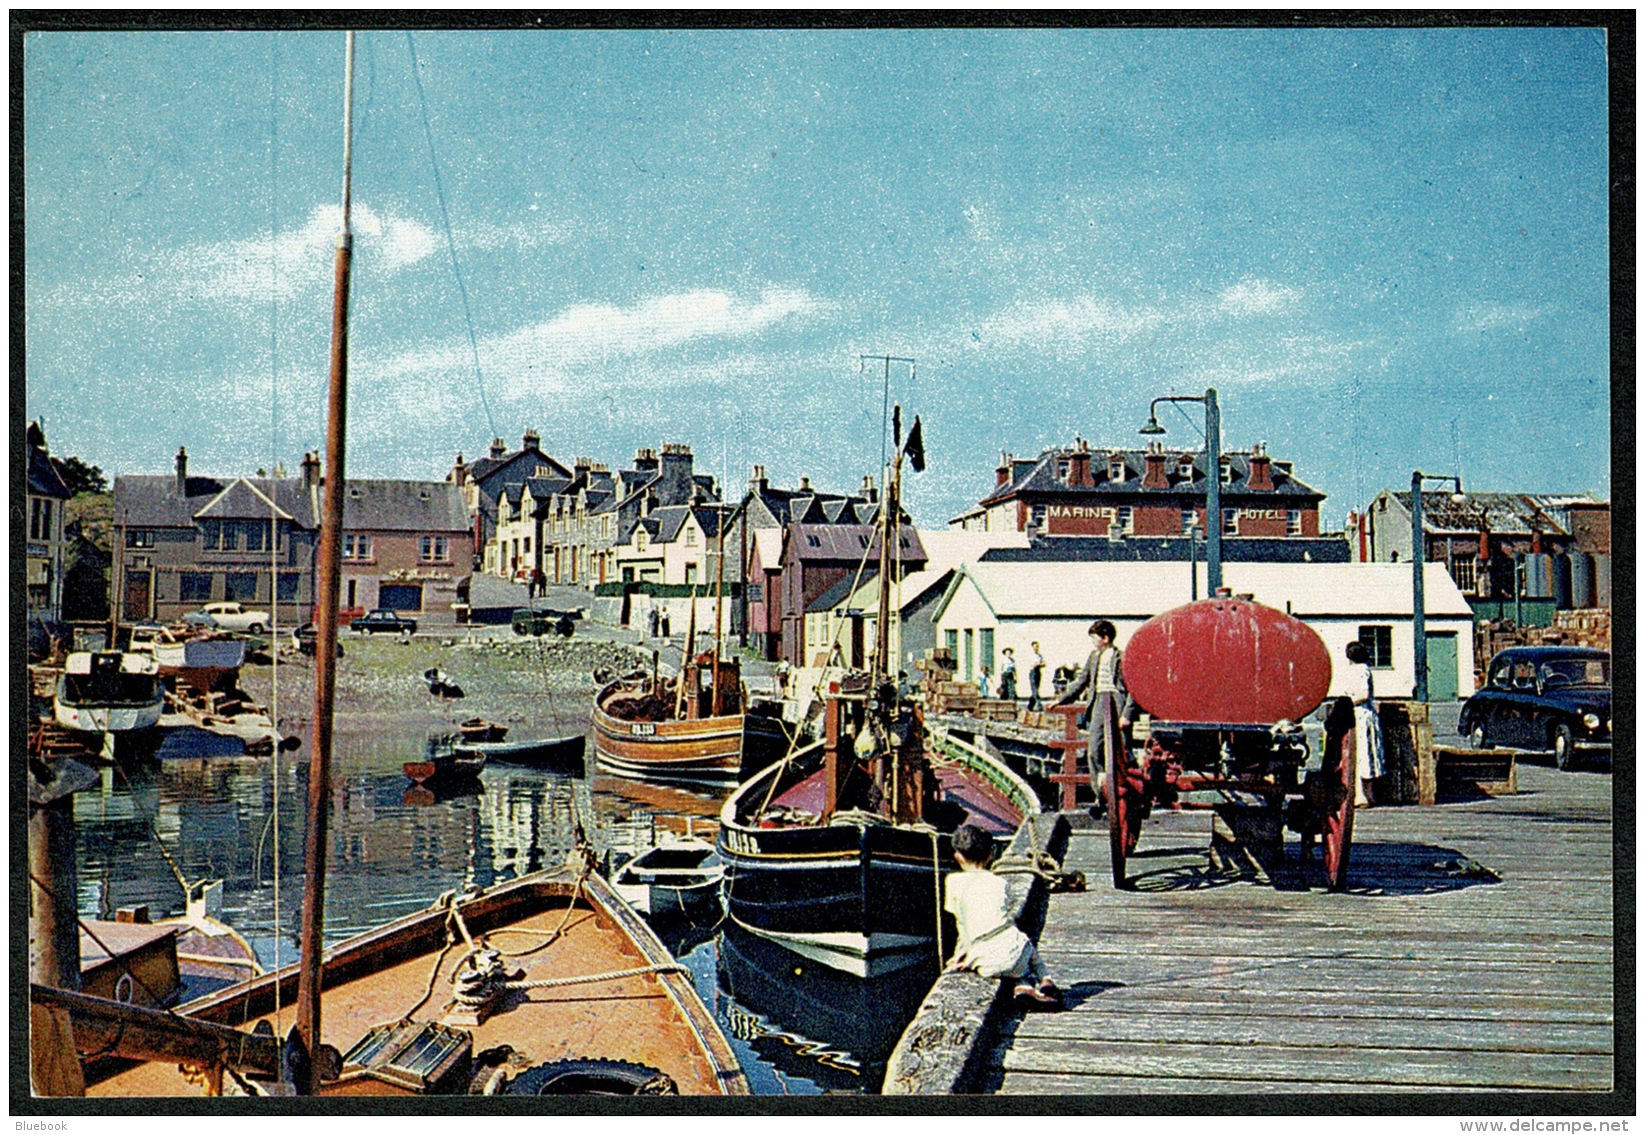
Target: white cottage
column 990, row 606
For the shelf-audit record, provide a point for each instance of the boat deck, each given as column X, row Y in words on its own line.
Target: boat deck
column 984, row 804
column 1473, row 951
column 630, row 1018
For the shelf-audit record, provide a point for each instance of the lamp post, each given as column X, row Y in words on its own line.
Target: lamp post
column 1213, row 479
column 1419, row 556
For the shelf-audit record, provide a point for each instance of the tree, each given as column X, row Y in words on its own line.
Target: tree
column 80, row 477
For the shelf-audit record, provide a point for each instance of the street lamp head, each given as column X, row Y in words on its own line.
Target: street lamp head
column 1153, row 426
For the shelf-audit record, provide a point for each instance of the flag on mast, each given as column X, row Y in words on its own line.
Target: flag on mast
column 916, row 447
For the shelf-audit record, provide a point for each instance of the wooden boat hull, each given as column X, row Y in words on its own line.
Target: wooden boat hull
column 707, row 749
column 450, row 765
column 865, row 898
column 655, row 1019
column 107, row 718
column 204, row 663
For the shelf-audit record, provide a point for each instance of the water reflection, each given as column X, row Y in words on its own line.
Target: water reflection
column 396, row 847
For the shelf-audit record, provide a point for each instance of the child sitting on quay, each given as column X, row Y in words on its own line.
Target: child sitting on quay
column 989, row 940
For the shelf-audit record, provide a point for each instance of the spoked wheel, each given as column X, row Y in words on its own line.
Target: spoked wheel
column 1122, row 790
column 1338, row 768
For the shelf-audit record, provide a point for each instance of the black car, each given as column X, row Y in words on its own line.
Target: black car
column 1545, row 698
column 527, row 621
column 391, row 622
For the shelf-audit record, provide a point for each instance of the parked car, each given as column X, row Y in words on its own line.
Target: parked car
column 384, row 620
column 528, row 621
column 1544, row 698
column 229, row 616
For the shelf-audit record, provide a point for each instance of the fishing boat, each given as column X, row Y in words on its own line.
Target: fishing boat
column 564, row 754
column 206, row 662
column 693, row 728
column 839, row 851
column 678, row 877
column 508, row 1012
column 544, row 985
column 108, row 691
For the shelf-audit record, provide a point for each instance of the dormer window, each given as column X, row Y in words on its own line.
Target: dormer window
column 1185, row 467
column 1227, row 471
column 1063, row 467
column 639, row 539
column 1116, row 469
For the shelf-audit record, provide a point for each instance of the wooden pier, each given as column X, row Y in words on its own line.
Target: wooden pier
column 1472, row 952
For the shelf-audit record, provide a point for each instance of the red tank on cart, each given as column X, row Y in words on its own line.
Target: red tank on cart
column 1227, row 661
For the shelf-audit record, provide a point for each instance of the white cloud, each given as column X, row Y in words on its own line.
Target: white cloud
column 1059, row 319
column 1492, row 316
column 1257, row 297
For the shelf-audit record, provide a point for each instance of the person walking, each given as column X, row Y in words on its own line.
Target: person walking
column 1036, row 671
column 1101, row 674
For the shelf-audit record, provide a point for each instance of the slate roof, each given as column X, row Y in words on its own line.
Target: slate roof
column 1150, row 549
column 404, row 506
column 836, row 542
column 44, row 479
column 849, row 583
column 1039, row 475
column 152, row 500
column 791, row 506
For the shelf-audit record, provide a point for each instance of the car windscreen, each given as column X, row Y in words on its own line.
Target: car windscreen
column 1593, row 672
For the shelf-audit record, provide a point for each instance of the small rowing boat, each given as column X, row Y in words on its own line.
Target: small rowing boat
column 562, row 754
column 679, row 877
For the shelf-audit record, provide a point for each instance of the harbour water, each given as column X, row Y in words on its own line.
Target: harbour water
column 798, row 1027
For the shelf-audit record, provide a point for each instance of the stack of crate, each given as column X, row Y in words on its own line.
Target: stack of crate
column 942, row 694
column 1584, row 628
column 996, row 709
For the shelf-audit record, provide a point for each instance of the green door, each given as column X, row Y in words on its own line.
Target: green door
column 1442, row 666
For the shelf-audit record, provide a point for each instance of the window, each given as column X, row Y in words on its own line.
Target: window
column 1116, row 469
column 240, row 585
column 436, row 549
column 1466, row 573
column 1379, row 643
column 256, row 536
column 1036, row 517
column 1190, row 518
column 1123, row 519
column 1185, row 467
column 1227, row 471
column 211, row 534
column 231, row 535
column 139, row 538
column 1230, row 522
column 1063, row 467
column 288, row 587
column 967, row 670
column 40, row 519
column 691, row 537
column 985, row 650
column 951, row 639
column 356, row 546
column 194, row 586
column 1293, row 522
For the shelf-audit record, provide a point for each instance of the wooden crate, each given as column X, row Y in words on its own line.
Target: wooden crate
column 1464, row 772
column 997, row 709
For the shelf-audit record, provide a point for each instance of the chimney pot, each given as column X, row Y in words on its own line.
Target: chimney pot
column 531, row 440
column 805, row 484
column 182, row 471
column 498, row 447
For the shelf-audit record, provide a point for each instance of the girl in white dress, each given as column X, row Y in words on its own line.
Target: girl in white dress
column 1367, row 725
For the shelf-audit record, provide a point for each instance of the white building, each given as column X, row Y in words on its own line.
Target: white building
column 990, row 606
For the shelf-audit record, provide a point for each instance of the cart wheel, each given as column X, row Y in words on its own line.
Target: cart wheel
column 1339, row 766
column 1122, row 795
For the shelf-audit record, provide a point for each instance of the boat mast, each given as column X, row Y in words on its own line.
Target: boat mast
column 719, row 611
column 312, row 941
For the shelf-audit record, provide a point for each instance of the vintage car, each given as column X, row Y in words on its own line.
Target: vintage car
column 390, row 622
column 229, row 616
column 1543, row 698
column 529, row 621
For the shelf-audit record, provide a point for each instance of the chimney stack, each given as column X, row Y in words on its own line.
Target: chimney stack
column 645, row 460
column 1002, row 471
column 758, row 482
column 531, row 441
column 805, row 484
column 311, row 469
column 1079, row 466
column 1153, row 475
column 182, row 471
column 1259, row 477
column 459, row 472
column 498, row 448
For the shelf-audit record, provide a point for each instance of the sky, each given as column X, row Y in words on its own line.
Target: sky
column 1387, row 249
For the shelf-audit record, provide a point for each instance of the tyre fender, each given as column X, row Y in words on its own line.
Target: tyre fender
column 591, row 1077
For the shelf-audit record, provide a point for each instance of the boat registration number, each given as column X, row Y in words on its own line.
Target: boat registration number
column 642, row 729
column 740, row 842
